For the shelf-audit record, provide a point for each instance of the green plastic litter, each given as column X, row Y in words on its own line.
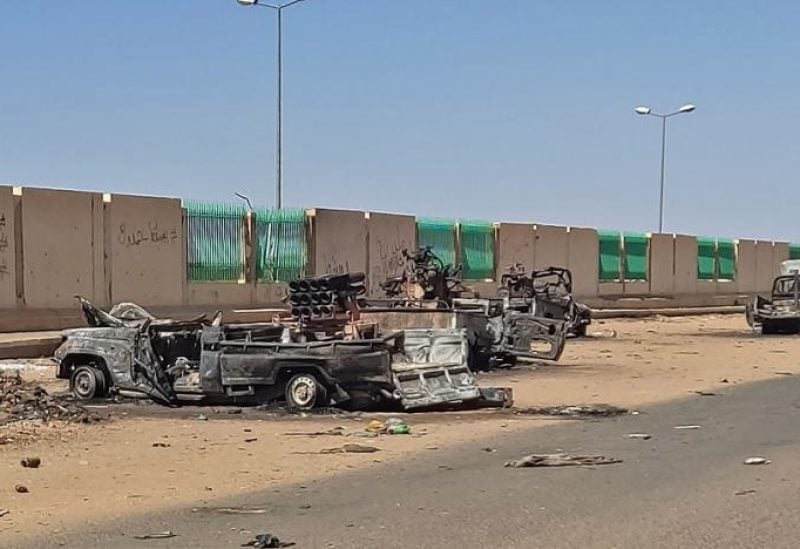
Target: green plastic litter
column 635, row 246
column 440, row 234
column 706, row 258
column 281, row 250
column 215, row 241
column 726, row 259
column 477, row 249
column 609, row 257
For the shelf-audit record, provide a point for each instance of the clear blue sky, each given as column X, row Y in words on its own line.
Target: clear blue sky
column 498, row 110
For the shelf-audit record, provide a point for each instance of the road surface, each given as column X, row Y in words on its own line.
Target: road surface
column 678, row 489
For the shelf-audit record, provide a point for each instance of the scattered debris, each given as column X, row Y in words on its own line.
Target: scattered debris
column 744, row 492
column 20, row 489
column 392, row 426
column 561, row 460
column 21, row 401
column 234, row 510
column 4, row 512
column 724, row 380
column 159, row 535
column 305, row 506
column 640, row 436
column 756, row 461
column 202, row 417
column 253, row 439
column 590, row 410
column 266, row 541
column 705, row 393
column 688, row 427
column 350, row 449
column 336, row 432
column 784, row 373
column 161, row 445
column 490, row 450
column 31, row 462
column 604, row 334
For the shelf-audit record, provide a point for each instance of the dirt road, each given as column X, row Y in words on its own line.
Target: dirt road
column 140, row 463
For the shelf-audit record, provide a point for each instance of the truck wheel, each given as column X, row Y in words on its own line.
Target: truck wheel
column 304, row 392
column 85, row 383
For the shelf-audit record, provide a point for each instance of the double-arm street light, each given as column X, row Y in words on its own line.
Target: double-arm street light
column 278, row 8
column 648, row 111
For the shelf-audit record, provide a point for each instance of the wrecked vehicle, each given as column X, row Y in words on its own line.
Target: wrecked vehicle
column 550, row 289
column 174, row 361
column 780, row 314
column 502, row 330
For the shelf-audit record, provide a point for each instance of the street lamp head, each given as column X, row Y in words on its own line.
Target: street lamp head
column 247, row 2
column 687, row 108
column 642, row 110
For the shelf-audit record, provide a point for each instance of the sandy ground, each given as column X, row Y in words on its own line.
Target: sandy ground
column 92, row 473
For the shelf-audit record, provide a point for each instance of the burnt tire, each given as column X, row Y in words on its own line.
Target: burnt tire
column 304, row 392
column 86, row 384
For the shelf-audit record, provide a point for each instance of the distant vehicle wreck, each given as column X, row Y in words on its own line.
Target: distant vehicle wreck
column 127, row 350
column 780, row 314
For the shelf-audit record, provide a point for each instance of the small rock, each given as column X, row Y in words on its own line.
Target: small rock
column 640, row 436
column 31, row 462
column 20, row 489
column 4, row 512
column 305, row 506
column 250, row 439
column 744, row 492
column 756, row 461
column 161, row 445
column 489, row 450
column 202, row 417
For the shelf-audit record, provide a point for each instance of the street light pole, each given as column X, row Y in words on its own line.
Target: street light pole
column 279, row 107
column 648, row 111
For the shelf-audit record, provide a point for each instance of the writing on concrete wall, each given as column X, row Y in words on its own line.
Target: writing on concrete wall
column 388, row 261
column 334, row 267
column 3, row 246
column 151, row 234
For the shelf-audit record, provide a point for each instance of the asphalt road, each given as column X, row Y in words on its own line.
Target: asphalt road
column 678, row 489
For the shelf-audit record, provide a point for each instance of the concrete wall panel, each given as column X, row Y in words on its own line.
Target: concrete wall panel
column 389, row 235
column 685, row 265
column 219, row 293
column 662, row 265
column 610, row 289
column 516, row 243
column 765, row 266
column 780, row 253
column 145, row 247
column 746, row 267
column 340, row 241
column 551, row 246
column 582, row 260
column 62, row 241
column 8, row 249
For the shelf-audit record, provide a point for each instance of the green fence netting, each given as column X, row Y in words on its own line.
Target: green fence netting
column 215, row 241
column 706, row 258
column 281, row 251
column 726, row 259
column 609, row 258
column 440, row 234
column 635, row 246
column 477, row 249
column 794, row 251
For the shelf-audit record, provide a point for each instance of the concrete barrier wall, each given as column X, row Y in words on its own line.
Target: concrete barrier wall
column 685, row 265
column 662, row 265
column 551, row 246
column 8, row 249
column 746, row 267
column 388, row 236
column 62, row 247
column 765, row 266
column 340, row 241
column 516, row 243
column 144, row 239
column 582, row 251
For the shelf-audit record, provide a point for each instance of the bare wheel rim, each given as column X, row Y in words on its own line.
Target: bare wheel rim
column 304, row 390
column 85, row 382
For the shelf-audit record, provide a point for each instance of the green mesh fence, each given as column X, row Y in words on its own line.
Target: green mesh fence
column 635, row 247
column 215, row 241
column 477, row 249
column 609, row 259
column 440, row 234
column 281, row 252
column 794, row 251
column 706, row 258
column 726, row 259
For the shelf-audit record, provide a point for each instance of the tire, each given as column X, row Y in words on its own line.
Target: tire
column 85, row 383
column 304, row 392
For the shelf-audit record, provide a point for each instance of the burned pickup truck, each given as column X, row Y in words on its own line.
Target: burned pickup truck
column 128, row 351
column 780, row 314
